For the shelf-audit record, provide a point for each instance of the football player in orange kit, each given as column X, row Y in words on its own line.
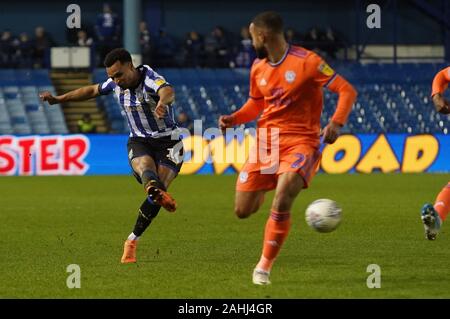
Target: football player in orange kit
column 434, row 215
column 286, row 85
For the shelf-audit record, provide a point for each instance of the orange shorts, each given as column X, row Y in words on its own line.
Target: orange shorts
column 263, row 175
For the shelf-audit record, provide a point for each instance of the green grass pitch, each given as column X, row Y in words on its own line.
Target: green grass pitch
column 204, row 251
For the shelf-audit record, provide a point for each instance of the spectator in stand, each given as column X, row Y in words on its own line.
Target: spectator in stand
column 217, row 49
column 6, row 48
column 85, row 125
column 193, row 50
column 25, row 51
column 107, row 29
column 72, row 35
column 246, row 53
column 185, row 121
column 8, row 45
column 165, row 50
column 292, row 37
column 314, row 40
column 83, row 40
column 332, row 43
column 145, row 43
column 42, row 43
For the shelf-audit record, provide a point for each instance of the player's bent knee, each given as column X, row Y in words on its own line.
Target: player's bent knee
column 247, row 204
column 143, row 163
column 241, row 212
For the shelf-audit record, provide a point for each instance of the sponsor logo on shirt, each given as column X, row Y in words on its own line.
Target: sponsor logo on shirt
column 159, row 82
column 325, row 69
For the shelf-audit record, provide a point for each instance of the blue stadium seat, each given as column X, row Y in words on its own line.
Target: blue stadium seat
column 20, row 107
column 173, row 76
column 41, row 77
column 8, row 77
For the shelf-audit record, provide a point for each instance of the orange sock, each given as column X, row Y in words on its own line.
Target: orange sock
column 277, row 229
column 442, row 203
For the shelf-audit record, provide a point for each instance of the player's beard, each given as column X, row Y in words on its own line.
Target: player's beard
column 261, row 52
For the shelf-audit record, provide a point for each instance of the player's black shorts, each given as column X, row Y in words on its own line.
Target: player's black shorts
column 163, row 150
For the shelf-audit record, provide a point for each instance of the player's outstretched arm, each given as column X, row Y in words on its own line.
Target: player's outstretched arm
column 81, row 94
column 441, row 104
column 247, row 113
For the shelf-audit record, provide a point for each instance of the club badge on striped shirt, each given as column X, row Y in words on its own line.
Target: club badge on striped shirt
column 159, row 82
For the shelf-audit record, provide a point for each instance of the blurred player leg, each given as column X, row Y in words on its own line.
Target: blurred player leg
column 166, row 176
column 297, row 168
column 433, row 216
column 247, row 203
column 442, row 203
column 278, row 224
column 251, row 186
column 147, row 212
column 145, row 167
column 431, row 221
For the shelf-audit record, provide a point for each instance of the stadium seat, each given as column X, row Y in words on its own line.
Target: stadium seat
column 8, row 77
column 21, row 110
column 392, row 98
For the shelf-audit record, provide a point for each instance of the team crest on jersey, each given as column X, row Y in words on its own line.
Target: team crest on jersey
column 263, row 82
column 141, row 97
column 290, row 76
column 243, row 177
column 325, row 69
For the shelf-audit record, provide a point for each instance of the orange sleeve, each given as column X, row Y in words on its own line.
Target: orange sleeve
column 325, row 76
column 347, row 96
column 255, row 103
column 321, row 73
column 249, row 111
column 254, row 91
column 440, row 81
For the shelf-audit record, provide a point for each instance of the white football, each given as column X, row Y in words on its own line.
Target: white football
column 323, row 215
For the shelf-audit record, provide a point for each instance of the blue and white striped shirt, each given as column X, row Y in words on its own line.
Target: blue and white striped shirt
column 139, row 104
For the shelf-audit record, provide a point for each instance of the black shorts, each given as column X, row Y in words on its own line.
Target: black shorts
column 163, row 150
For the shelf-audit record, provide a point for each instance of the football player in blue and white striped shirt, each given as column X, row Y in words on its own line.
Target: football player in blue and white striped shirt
column 155, row 157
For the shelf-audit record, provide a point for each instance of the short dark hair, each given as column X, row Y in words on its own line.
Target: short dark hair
column 270, row 20
column 118, row 54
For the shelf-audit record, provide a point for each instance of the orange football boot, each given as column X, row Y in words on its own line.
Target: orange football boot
column 129, row 251
column 160, row 197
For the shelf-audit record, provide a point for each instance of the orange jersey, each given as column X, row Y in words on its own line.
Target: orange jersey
column 289, row 94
